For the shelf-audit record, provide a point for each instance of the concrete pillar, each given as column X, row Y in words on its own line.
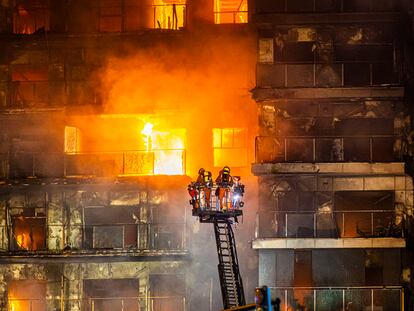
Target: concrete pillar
column 3, row 230
column 55, row 233
column 73, row 233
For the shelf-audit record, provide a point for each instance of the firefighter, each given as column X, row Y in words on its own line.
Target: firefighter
column 205, row 182
column 192, row 191
column 224, row 181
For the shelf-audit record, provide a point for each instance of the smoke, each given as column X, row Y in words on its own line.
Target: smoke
column 195, row 81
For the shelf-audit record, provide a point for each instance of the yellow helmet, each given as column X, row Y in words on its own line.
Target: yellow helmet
column 226, row 170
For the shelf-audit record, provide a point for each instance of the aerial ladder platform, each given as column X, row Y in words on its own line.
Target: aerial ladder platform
column 223, row 215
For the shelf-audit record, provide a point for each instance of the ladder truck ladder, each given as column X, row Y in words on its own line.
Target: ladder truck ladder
column 228, row 267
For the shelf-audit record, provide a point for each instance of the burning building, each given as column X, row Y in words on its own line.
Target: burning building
column 109, row 107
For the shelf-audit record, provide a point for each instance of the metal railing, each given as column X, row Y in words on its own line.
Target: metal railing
column 231, row 17
column 325, row 224
column 216, row 197
column 116, row 236
column 339, row 298
column 330, row 74
column 169, row 16
column 56, row 164
column 356, row 148
column 98, row 304
column 290, row 6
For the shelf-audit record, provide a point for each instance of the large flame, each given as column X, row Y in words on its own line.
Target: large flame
column 22, row 241
column 168, row 148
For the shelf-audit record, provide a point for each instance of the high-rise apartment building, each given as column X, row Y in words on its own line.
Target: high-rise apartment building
column 335, row 201
column 107, row 108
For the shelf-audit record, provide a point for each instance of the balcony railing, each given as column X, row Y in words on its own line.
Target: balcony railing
column 357, row 148
column 98, row 164
column 98, row 304
column 169, row 16
column 339, row 298
column 333, row 74
column 231, row 17
column 325, row 224
column 295, row 6
column 116, row 236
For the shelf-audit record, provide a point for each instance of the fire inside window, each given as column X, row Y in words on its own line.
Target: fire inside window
column 169, row 152
column 26, row 295
column 230, row 147
column 30, row 16
column 28, row 232
column 121, row 151
column 169, row 14
column 230, row 11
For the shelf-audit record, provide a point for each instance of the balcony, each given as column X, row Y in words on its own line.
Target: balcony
column 340, row 298
column 335, row 74
column 323, row 6
column 327, row 229
column 325, row 149
column 100, row 304
column 92, row 239
column 99, row 164
column 327, row 80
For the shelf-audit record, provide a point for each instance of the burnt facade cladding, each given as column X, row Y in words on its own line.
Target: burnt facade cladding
column 108, row 109
column 335, row 198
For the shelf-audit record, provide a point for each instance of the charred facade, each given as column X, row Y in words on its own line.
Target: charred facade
column 108, row 107
column 335, row 202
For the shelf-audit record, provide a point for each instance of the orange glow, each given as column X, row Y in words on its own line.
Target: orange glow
column 72, row 140
column 169, row 152
column 183, row 92
column 16, row 305
column 22, row 241
column 230, row 147
column 147, row 132
column 26, row 295
column 230, row 11
column 169, row 14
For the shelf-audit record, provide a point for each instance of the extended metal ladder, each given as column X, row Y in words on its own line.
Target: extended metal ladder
column 228, row 267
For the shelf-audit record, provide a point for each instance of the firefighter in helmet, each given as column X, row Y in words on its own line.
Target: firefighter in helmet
column 224, row 181
column 205, row 182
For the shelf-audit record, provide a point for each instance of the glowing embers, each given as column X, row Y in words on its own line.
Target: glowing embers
column 26, row 295
column 169, row 14
column 230, row 11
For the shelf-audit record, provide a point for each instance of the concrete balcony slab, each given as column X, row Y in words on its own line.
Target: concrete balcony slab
column 321, row 243
column 377, row 92
column 352, row 168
